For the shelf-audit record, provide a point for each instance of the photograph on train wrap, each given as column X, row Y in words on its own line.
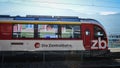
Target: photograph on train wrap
column 59, row 33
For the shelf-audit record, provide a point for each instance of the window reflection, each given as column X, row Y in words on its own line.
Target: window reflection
column 46, row 31
column 23, row 31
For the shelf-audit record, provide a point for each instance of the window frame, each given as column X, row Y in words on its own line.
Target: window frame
column 59, row 32
column 19, row 33
column 101, row 30
column 73, row 34
column 46, row 33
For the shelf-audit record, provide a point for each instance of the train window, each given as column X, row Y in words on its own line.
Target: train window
column 47, row 31
column 98, row 32
column 23, row 31
column 70, row 31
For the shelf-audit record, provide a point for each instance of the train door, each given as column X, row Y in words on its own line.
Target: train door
column 87, row 30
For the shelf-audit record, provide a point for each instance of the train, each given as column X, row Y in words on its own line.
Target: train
column 51, row 35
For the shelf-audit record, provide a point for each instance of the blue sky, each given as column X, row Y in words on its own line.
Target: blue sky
column 105, row 11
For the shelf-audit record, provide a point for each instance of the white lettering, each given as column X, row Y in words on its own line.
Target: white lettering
column 100, row 42
column 94, row 44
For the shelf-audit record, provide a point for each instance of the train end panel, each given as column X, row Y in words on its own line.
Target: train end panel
column 94, row 37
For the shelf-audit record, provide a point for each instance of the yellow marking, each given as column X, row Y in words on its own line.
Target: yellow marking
column 38, row 22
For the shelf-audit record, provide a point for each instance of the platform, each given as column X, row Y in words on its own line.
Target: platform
column 114, row 49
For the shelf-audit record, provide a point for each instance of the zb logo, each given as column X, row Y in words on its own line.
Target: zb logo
column 101, row 44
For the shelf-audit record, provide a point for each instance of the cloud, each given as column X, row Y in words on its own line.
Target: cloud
column 108, row 13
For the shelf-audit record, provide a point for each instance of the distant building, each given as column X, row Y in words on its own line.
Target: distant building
column 114, row 40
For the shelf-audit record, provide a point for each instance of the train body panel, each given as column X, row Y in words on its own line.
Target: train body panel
column 41, row 45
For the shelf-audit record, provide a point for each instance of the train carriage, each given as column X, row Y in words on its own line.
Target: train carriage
column 54, row 34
